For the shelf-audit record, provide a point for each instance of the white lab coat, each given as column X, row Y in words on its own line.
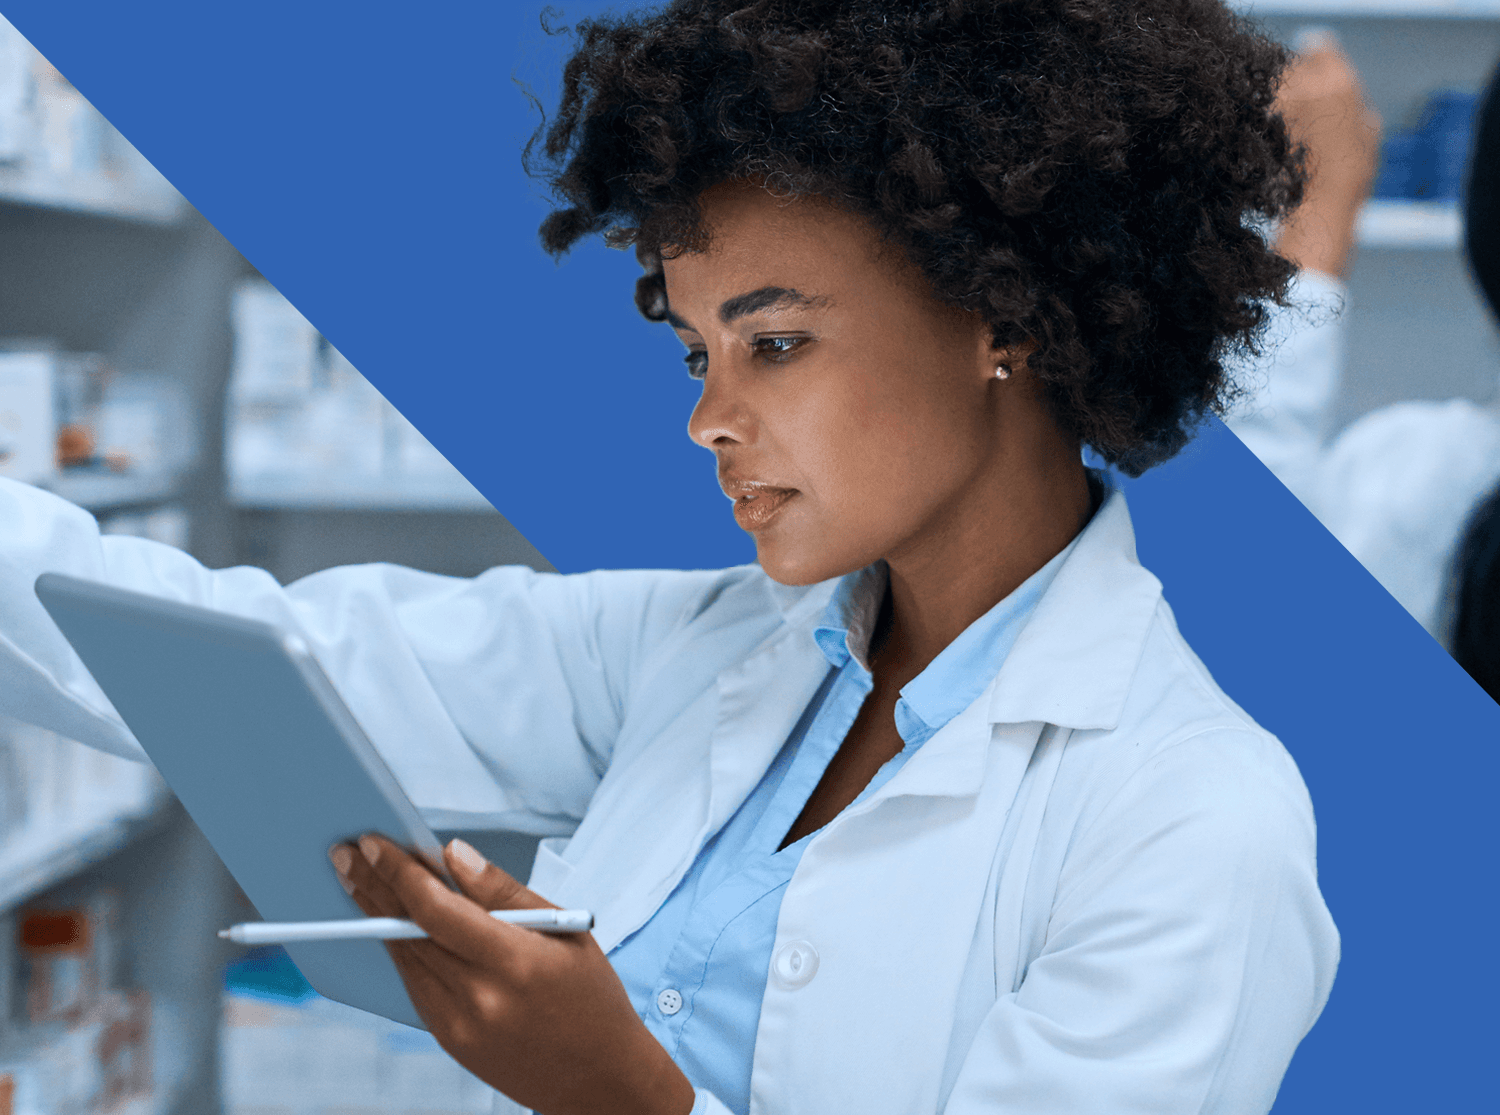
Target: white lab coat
column 1094, row 891
column 1398, row 486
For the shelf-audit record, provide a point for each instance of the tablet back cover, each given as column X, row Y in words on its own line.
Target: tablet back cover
column 262, row 753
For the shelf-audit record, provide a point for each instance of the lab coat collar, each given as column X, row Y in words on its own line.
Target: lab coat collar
column 1073, row 662
column 799, row 603
column 848, row 622
column 1071, row 665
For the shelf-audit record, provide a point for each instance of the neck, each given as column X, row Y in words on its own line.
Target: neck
column 1008, row 525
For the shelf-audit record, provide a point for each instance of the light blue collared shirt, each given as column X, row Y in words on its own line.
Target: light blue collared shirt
column 696, row 972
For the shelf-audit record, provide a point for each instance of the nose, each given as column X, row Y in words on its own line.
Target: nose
column 720, row 418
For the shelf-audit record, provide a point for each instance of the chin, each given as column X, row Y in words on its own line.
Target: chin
column 786, row 566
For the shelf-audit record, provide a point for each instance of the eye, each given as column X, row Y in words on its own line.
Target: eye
column 697, row 363
column 777, row 349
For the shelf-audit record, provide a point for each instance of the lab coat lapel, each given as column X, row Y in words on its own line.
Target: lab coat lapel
column 888, row 897
column 640, row 860
column 760, row 701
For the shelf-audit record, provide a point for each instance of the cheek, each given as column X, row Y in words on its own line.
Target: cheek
column 872, row 454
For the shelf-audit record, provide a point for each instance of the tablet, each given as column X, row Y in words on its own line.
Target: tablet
column 268, row 761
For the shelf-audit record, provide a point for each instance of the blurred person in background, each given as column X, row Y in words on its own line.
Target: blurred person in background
column 1286, row 422
column 1476, row 624
column 1472, row 581
column 1400, row 485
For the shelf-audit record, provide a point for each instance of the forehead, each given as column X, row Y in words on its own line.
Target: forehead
column 759, row 238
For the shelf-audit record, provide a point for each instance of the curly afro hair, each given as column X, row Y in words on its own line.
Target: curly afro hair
column 1092, row 175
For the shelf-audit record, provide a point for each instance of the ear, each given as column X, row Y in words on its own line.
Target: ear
column 1005, row 361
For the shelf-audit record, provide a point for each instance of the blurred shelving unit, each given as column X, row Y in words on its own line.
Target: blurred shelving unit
column 321, row 470
column 1417, row 327
column 95, row 195
column 437, row 493
column 1418, row 225
column 98, row 254
column 1387, row 9
column 102, row 492
column 34, row 860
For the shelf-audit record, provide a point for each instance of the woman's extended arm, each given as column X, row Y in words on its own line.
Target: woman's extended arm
column 1286, row 420
column 496, row 699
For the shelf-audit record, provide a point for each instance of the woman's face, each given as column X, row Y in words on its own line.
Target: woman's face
column 853, row 416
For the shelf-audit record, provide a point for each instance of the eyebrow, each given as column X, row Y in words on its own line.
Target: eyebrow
column 752, row 301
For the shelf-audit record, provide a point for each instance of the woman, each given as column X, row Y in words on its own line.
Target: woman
column 932, row 809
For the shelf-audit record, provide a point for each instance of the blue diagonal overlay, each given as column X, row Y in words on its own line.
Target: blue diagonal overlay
column 366, row 159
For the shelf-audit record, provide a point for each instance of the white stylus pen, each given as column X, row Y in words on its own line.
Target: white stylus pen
column 393, row 929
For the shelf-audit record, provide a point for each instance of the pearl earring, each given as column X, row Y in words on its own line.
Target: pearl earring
column 1002, row 371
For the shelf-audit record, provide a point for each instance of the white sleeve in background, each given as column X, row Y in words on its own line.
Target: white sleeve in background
column 1187, row 953
column 1286, row 417
column 1397, row 488
column 496, row 700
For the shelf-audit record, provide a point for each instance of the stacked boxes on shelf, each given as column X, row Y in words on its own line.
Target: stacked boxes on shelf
column 312, row 1056
column 54, row 146
column 69, row 414
column 73, row 1039
column 297, row 408
column 52, row 786
column 28, row 416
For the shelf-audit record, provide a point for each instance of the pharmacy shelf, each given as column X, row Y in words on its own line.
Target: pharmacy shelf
column 97, row 196
column 170, row 1067
column 105, row 491
column 170, row 1039
column 36, row 857
column 1393, row 9
column 1411, row 224
column 302, row 492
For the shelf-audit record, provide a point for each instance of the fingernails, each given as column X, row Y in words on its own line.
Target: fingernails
column 371, row 849
column 343, row 858
column 467, row 856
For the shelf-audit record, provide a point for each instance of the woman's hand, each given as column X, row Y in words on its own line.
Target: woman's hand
column 542, row 1018
column 1324, row 106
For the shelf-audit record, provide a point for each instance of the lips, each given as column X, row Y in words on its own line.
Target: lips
column 756, row 502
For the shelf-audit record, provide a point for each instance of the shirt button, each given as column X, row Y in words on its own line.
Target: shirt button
column 669, row 1002
column 794, row 964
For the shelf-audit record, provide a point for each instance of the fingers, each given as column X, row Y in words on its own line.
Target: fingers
column 370, row 892
column 454, row 921
column 430, row 986
column 429, row 966
column 419, row 962
column 486, row 884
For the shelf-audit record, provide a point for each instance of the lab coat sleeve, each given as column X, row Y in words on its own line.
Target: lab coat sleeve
column 1286, row 415
column 1187, row 953
column 496, row 700
column 1398, row 488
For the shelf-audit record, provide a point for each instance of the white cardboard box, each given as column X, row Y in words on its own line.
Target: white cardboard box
column 28, row 420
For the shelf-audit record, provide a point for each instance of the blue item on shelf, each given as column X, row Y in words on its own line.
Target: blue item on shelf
column 1448, row 123
column 1403, row 167
column 267, row 973
column 1430, row 163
